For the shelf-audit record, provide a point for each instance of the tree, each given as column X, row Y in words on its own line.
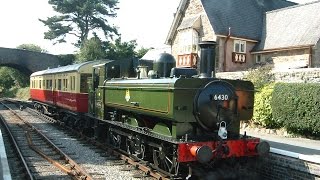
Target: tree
column 120, row 50
column 66, row 59
column 79, row 18
column 32, row 47
column 12, row 77
column 91, row 50
column 141, row 52
column 6, row 80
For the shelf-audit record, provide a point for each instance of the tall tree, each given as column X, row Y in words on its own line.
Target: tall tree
column 32, row 47
column 79, row 18
column 91, row 50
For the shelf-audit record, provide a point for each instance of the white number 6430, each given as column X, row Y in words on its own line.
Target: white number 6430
column 220, row 97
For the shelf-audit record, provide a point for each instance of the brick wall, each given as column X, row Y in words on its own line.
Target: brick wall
column 279, row 167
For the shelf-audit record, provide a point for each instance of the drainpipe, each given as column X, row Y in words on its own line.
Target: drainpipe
column 310, row 57
column 225, row 51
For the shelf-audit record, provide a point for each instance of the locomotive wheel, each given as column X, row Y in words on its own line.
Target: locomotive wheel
column 135, row 147
column 114, row 139
column 164, row 161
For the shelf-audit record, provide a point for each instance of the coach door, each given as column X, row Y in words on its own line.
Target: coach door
column 93, row 85
column 97, row 96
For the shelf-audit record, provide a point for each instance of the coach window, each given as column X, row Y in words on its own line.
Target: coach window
column 47, row 84
column 65, row 84
column 59, row 84
column 84, row 83
column 73, row 82
column 40, row 84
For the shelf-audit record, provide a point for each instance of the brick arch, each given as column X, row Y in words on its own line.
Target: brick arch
column 27, row 61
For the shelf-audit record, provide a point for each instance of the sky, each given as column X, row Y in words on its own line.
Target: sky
column 147, row 21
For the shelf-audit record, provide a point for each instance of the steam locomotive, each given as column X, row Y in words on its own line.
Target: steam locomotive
column 174, row 118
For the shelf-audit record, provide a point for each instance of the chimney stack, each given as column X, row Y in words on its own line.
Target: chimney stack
column 207, row 59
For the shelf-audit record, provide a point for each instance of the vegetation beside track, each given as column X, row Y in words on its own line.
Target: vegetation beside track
column 290, row 106
column 17, row 93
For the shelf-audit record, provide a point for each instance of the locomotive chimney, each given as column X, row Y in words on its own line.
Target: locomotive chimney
column 207, row 59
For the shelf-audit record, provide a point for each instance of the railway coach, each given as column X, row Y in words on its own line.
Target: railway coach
column 63, row 88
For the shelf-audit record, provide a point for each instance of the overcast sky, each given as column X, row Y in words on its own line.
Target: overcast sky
column 147, row 21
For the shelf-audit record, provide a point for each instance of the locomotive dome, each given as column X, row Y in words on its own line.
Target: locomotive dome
column 163, row 64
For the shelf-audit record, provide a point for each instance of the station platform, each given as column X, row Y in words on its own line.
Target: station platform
column 302, row 147
column 4, row 166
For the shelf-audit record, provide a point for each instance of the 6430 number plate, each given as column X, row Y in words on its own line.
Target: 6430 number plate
column 220, row 97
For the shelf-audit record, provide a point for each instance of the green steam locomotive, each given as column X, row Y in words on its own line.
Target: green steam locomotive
column 174, row 116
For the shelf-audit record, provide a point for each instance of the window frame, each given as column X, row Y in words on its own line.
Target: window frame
column 241, row 44
column 258, row 56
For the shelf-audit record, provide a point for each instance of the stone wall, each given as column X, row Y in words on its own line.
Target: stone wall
column 306, row 75
column 316, row 55
column 287, row 59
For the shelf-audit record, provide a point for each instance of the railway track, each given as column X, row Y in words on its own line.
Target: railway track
column 145, row 170
column 38, row 154
column 112, row 163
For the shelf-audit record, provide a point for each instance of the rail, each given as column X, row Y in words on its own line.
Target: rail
column 17, row 149
column 77, row 172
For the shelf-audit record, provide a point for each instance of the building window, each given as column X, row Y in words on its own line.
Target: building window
column 239, row 46
column 258, row 59
column 188, row 41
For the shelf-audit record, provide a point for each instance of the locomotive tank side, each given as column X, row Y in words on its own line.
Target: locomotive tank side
column 153, row 97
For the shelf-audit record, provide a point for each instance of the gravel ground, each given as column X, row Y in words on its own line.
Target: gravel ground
column 93, row 160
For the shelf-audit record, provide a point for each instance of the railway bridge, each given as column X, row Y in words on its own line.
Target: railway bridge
column 27, row 61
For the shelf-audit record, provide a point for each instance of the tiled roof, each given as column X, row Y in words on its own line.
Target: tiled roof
column 244, row 17
column 291, row 27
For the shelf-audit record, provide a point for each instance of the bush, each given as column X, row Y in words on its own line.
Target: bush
column 262, row 114
column 260, row 77
column 296, row 106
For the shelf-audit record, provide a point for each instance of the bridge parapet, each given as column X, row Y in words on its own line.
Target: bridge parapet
column 27, row 61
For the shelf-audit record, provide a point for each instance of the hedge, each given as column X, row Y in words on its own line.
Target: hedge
column 297, row 107
column 262, row 114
